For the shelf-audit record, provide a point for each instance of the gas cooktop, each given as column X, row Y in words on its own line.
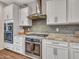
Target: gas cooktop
column 38, row 35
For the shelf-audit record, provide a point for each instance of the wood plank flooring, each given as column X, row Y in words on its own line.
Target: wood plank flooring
column 6, row 54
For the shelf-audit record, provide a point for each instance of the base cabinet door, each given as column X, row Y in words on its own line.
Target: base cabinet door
column 52, row 52
column 49, row 53
column 62, row 53
column 74, row 53
column 9, row 46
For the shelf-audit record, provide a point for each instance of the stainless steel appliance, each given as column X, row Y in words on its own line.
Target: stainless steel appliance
column 8, row 31
column 39, row 11
column 33, row 44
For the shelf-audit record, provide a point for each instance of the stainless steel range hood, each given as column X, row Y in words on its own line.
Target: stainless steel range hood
column 38, row 14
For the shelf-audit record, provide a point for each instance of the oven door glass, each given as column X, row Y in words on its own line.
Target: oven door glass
column 32, row 48
column 9, row 38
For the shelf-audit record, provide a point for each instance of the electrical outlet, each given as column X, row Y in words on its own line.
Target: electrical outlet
column 57, row 29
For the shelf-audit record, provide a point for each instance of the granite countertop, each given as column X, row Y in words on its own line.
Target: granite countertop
column 63, row 37
column 59, row 37
column 73, row 39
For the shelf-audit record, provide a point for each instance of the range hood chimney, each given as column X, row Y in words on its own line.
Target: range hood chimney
column 38, row 14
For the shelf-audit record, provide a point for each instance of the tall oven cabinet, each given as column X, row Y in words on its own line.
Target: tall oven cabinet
column 11, row 16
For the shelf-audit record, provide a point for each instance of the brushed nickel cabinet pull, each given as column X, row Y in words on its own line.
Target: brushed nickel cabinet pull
column 56, row 19
column 7, row 16
column 55, row 43
column 22, row 22
column 55, row 51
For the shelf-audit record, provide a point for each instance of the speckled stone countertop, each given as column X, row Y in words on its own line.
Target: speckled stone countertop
column 59, row 37
column 63, row 37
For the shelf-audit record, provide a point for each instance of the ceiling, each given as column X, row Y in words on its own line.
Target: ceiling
column 19, row 2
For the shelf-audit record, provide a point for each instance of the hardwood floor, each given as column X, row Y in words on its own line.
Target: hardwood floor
column 6, row 54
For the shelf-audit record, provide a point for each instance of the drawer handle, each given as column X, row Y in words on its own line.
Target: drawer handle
column 17, row 42
column 56, row 19
column 7, row 47
column 55, row 43
column 7, row 16
column 17, row 49
column 55, row 51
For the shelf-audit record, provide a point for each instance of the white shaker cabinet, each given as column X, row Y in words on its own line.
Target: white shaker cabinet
column 6, row 12
column 49, row 53
column 56, row 12
column 10, row 12
column 73, row 11
column 54, row 50
column 74, row 53
column 74, row 50
column 62, row 53
column 19, row 44
column 9, row 46
column 24, row 21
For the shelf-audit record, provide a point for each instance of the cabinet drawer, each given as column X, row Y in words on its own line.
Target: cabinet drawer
column 19, row 40
column 74, row 45
column 58, row 43
column 9, row 46
column 18, row 43
column 19, row 49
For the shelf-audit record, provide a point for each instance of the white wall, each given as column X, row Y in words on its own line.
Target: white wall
column 1, row 27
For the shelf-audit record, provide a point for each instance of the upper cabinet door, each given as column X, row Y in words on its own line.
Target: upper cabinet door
column 10, row 12
column 73, row 8
column 6, row 13
column 50, row 53
column 50, row 12
column 24, row 21
column 56, row 12
column 60, row 11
